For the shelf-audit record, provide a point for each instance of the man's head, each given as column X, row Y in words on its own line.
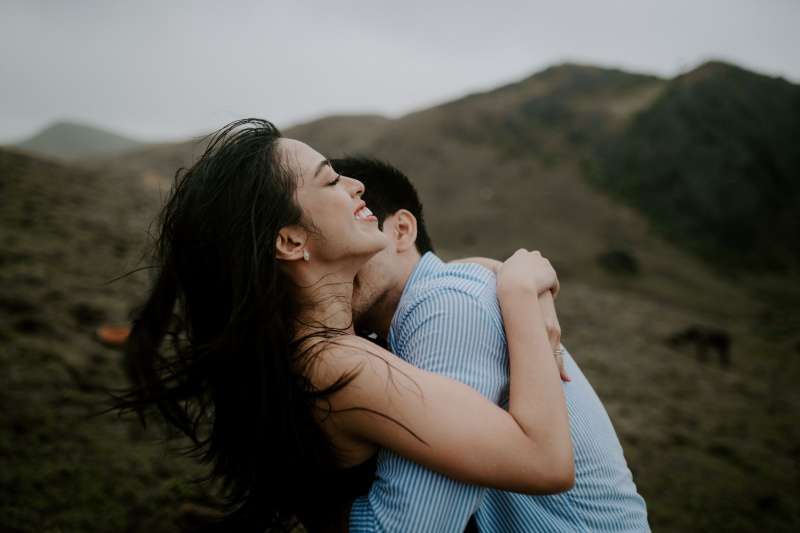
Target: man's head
column 393, row 199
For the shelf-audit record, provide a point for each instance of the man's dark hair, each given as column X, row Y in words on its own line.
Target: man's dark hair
column 386, row 191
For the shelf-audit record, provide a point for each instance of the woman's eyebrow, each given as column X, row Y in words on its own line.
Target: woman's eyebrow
column 322, row 165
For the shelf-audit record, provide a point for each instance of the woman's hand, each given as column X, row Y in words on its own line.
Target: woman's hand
column 530, row 271
column 527, row 271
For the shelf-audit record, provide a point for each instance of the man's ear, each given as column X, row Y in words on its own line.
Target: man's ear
column 290, row 243
column 405, row 230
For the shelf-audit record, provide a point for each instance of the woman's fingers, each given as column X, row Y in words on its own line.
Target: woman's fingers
column 529, row 269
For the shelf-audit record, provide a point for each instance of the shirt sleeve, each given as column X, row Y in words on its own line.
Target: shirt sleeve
column 460, row 335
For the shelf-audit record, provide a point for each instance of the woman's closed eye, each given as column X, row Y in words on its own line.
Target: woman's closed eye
column 334, row 182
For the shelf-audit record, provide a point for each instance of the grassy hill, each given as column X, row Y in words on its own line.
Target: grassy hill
column 712, row 447
column 70, row 140
column 714, row 163
column 65, row 233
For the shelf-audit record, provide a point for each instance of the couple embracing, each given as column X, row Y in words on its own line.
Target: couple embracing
column 466, row 414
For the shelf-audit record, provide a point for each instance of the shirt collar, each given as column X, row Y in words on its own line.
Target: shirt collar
column 424, row 268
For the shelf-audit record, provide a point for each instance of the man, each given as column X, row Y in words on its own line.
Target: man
column 445, row 318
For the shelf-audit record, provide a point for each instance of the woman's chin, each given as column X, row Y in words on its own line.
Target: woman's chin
column 367, row 253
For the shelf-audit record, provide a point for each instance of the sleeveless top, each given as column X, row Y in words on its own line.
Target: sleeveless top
column 328, row 511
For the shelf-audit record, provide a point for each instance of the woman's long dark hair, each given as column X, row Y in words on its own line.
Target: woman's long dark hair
column 214, row 347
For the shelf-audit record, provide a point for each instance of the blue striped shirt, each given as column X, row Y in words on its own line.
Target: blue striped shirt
column 448, row 321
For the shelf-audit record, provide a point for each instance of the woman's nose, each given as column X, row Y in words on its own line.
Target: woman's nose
column 356, row 187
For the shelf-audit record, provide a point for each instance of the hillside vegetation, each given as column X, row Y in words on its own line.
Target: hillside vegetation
column 65, row 233
column 713, row 443
column 714, row 163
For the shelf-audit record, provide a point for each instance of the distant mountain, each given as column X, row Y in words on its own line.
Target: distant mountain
column 715, row 164
column 69, row 140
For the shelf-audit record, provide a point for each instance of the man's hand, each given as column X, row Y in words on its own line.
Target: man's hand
column 547, row 305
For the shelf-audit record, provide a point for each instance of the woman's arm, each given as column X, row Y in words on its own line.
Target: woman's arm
column 449, row 427
column 533, row 367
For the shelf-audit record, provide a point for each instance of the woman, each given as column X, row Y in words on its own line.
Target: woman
column 256, row 254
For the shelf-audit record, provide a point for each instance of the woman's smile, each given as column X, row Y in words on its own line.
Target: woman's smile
column 363, row 214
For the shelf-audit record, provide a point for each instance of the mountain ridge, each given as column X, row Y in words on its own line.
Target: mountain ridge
column 70, row 140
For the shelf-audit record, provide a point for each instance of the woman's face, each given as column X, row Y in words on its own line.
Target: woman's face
column 343, row 226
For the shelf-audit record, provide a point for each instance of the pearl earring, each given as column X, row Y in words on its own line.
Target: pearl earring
column 305, row 255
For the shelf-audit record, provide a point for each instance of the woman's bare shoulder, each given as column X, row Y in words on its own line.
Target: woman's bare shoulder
column 347, row 355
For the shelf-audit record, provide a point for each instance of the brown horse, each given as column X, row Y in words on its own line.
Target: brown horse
column 705, row 339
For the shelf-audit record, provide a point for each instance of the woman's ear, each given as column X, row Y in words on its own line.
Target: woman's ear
column 405, row 230
column 290, row 243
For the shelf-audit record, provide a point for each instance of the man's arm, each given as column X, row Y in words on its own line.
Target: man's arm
column 459, row 335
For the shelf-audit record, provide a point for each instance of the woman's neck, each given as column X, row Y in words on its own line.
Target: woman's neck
column 325, row 301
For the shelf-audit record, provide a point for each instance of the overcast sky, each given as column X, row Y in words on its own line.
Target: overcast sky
column 171, row 69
